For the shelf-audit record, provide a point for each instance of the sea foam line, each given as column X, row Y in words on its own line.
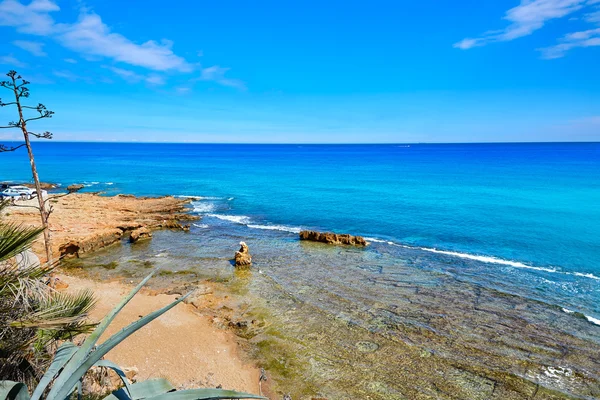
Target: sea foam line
column 488, row 259
column 276, row 228
column 593, row 320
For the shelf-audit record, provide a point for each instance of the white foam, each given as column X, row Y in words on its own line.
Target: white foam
column 203, row 226
column 238, row 219
column 109, row 183
column 593, row 320
column 369, row 239
column 487, row 259
column 203, row 207
column 277, row 228
column 591, row 276
column 182, row 196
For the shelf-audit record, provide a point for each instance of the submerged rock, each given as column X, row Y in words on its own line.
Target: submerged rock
column 243, row 257
column 333, row 238
column 140, row 234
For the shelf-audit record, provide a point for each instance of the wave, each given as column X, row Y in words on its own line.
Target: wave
column 182, row 196
column 283, row 228
column 203, row 207
column 593, row 320
column 591, row 276
column 487, row 259
column 202, row 226
column 238, row 219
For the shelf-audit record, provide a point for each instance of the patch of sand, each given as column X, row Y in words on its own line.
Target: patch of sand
column 181, row 345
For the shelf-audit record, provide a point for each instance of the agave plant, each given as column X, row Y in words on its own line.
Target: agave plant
column 33, row 316
column 72, row 362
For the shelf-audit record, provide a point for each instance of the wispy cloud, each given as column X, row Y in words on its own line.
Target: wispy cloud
column 33, row 18
column 526, row 18
column 589, row 38
column 91, row 36
column 532, row 15
column 70, row 60
column 93, row 40
column 35, row 48
column 217, row 74
column 12, row 61
column 133, row 77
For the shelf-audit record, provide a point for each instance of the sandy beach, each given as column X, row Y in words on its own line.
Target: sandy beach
column 184, row 346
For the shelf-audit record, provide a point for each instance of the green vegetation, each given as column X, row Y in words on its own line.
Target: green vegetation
column 33, row 316
column 72, row 362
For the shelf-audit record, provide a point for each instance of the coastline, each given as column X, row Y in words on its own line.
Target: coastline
column 431, row 336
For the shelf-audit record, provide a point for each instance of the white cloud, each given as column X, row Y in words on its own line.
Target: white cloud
column 12, row 61
column 589, row 38
column 217, row 74
column 133, row 77
column 33, row 18
column 70, row 60
column 531, row 15
column 525, row 19
column 94, row 41
column 154, row 79
column 90, row 36
column 34, row 48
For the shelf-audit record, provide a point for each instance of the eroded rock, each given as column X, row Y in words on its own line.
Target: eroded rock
column 140, row 234
column 243, row 257
column 333, row 238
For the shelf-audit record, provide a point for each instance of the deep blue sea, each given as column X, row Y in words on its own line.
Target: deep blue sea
column 528, row 214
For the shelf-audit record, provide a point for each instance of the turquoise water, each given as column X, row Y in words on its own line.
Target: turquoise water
column 524, row 213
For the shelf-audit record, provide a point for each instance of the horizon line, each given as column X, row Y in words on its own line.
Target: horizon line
column 304, row 143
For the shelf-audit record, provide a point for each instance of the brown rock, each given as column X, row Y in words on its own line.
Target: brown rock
column 333, row 238
column 74, row 188
column 243, row 257
column 59, row 284
column 140, row 234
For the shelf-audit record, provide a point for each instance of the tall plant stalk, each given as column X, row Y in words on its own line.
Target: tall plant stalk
column 20, row 90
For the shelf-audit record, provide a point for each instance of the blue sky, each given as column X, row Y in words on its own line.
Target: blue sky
column 310, row 71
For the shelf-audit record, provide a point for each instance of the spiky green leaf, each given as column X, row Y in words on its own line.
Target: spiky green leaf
column 60, row 389
column 62, row 356
column 10, row 390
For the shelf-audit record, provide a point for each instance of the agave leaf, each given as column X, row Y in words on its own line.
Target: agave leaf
column 204, row 394
column 118, row 371
column 142, row 390
column 10, row 390
column 70, row 381
column 62, row 356
column 60, row 390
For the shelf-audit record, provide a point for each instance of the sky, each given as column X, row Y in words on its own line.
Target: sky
column 307, row 72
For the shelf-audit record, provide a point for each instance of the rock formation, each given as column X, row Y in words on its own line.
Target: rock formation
column 333, row 238
column 74, row 188
column 243, row 257
column 140, row 234
column 85, row 222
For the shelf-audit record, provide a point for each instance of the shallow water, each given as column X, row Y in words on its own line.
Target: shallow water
column 385, row 322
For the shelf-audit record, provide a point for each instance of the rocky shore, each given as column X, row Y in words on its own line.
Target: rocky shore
column 84, row 222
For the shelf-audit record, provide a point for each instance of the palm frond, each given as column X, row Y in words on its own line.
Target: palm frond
column 15, row 239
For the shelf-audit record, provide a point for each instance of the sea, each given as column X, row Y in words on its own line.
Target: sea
column 521, row 219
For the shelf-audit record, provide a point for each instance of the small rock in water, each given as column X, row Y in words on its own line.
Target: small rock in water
column 243, row 257
column 367, row 347
column 333, row 238
column 139, row 234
